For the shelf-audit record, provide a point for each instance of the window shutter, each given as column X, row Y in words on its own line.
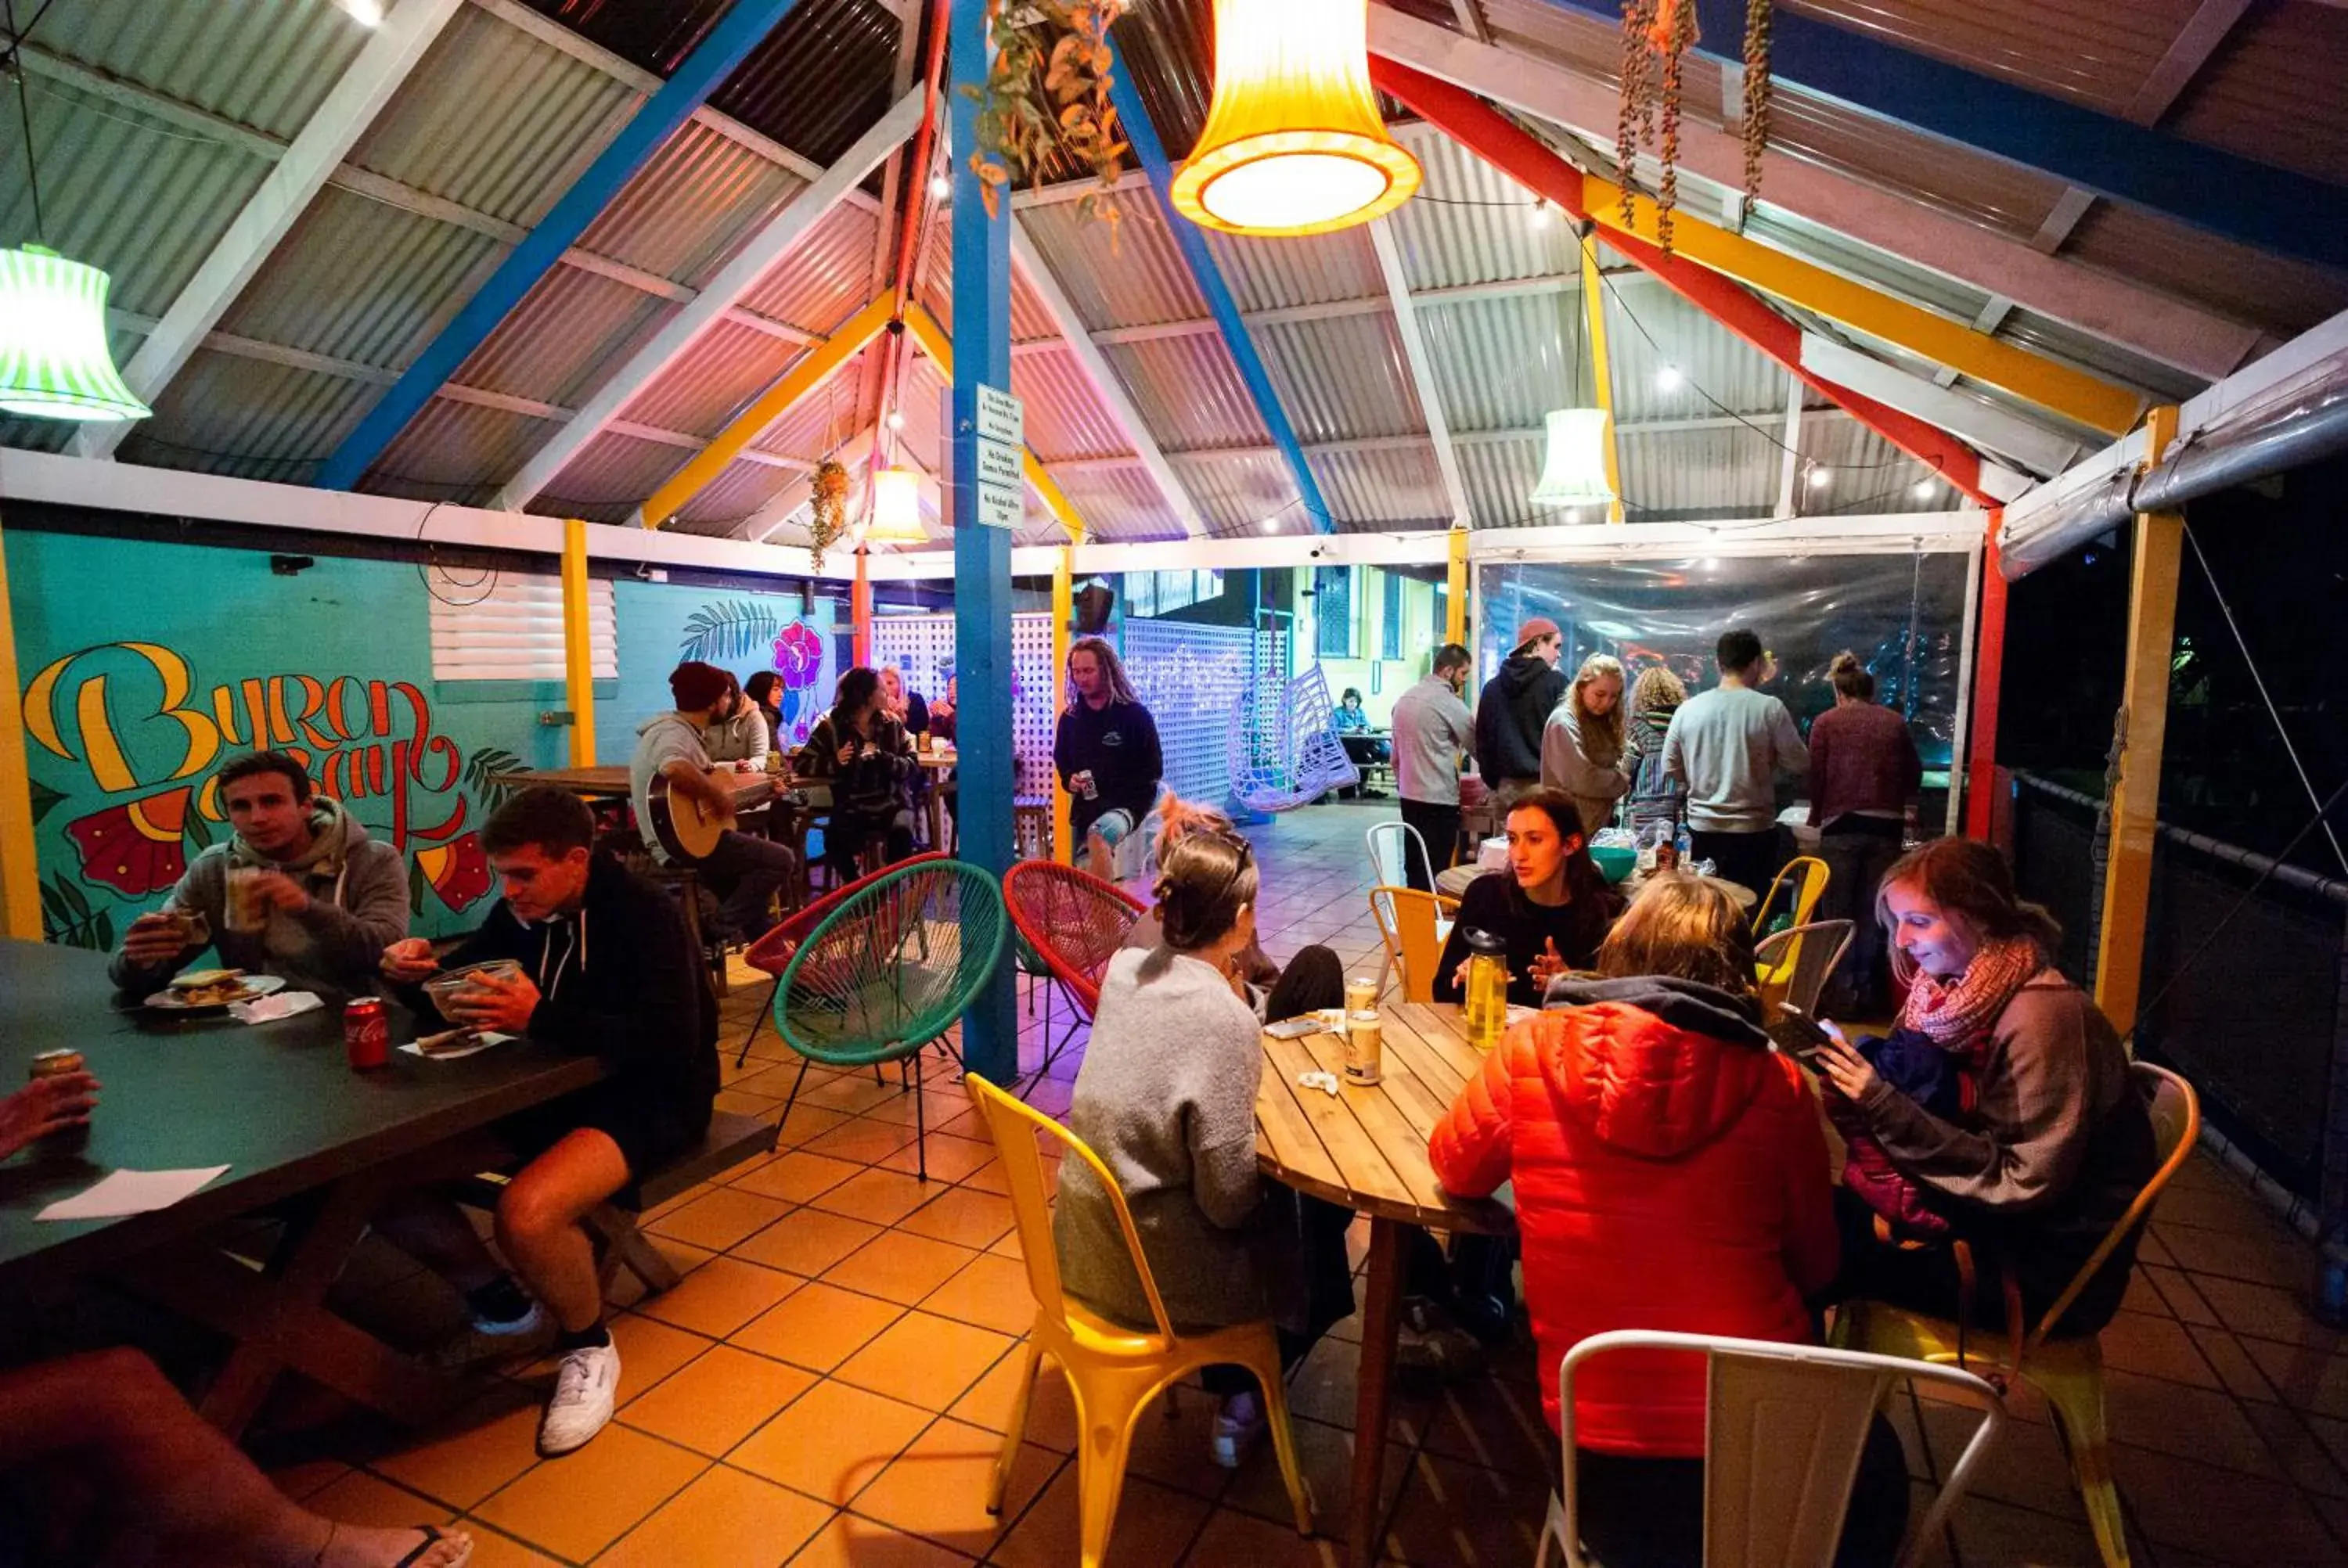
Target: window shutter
column 508, row 626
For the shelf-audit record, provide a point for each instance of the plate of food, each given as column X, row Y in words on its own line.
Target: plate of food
column 205, row 990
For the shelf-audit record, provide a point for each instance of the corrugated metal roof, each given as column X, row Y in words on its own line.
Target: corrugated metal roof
column 572, row 330
column 2273, row 91
column 457, row 452
column 1867, row 473
column 739, row 493
column 1501, row 365
column 2001, row 196
column 1499, row 474
column 819, row 80
column 825, row 421
column 1677, row 474
column 1272, row 274
column 360, row 280
column 2285, row 296
column 1142, row 283
column 1238, row 492
column 1343, row 378
column 826, row 277
column 1445, row 242
column 1391, row 489
column 687, row 208
column 1188, row 391
column 1648, row 327
column 1066, row 418
column 223, row 414
column 2066, row 48
column 727, row 366
column 494, row 119
column 1029, row 318
column 265, row 65
column 610, row 478
column 1589, row 43
column 1120, row 504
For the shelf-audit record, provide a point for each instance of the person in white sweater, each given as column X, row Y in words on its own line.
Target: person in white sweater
column 1728, row 745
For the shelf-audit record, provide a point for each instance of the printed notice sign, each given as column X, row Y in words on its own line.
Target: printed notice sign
column 1000, row 417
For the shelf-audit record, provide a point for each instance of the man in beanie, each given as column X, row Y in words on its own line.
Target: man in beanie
column 1514, row 707
column 742, row 870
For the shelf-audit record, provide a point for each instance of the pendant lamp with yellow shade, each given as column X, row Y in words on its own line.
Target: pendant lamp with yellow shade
column 1295, row 143
column 896, row 509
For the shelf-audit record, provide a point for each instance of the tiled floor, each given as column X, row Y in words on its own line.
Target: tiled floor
column 827, row 1385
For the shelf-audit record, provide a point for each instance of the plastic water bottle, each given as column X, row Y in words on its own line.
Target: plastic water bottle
column 1685, row 845
column 2331, row 1303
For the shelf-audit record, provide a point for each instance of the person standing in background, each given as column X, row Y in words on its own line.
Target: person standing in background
column 1514, row 708
column 1728, row 745
column 1432, row 730
column 1864, row 775
column 1106, row 748
column 1582, row 741
column 1653, row 798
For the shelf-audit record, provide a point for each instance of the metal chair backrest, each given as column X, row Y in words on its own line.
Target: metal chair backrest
column 1390, row 843
column 894, row 964
column 1804, row 880
column 1804, row 959
column 1783, row 1429
column 2176, row 1113
column 772, row 952
column 1407, row 921
column 1014, row 1128
column 1075, row 922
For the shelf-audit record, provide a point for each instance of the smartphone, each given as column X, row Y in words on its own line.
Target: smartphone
column 1294, row 1028
column 1797, row 1035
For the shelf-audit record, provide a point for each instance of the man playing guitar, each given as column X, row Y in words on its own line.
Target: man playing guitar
column 669, row 777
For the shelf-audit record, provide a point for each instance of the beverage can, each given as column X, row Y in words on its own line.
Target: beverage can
column 367, row 1033
column 1361, row 994
column 1364, row 1049
column 56, row 1064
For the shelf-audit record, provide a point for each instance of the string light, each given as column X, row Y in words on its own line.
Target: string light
column 896, row 419
column 1924, row 488
column 1820, row 475
column 365, row 13
column 940, row 187
column 1669, row 379
column 1539, row 218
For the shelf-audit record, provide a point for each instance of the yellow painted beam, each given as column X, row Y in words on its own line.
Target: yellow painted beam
column 578, row 646
column 933, row 342
column 20, row 869
column 1593, row 305
column 1064, row 610
column 777, row 401
column 2075, row 395
column 2135, row 794
column 1455, row 603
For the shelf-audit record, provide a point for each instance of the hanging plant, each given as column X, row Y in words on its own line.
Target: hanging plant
column 1656, row 38
column 1047, row 93
column 831, row 509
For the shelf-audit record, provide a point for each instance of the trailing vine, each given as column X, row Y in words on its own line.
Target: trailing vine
column 1048, row 92
column 1656, row 38
column 830, row 518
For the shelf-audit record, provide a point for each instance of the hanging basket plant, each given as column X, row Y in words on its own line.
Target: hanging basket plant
column 829, row 520
column 1656, row 38
column 1047, row 94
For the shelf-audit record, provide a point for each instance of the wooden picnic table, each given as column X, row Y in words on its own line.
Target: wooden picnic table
column 612, row 783
column 302, row 1135
column 1365, row 1149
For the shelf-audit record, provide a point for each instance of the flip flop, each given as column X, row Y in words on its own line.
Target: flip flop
column 432, row 1537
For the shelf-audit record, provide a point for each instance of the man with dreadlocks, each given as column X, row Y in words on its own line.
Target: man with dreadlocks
column 1107, row 753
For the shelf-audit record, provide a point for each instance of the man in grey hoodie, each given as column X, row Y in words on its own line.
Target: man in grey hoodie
column 330, row 897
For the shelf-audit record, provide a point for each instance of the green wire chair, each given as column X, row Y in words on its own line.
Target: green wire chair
column 890, row 971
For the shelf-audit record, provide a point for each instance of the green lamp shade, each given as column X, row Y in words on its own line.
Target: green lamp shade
column 54, row 363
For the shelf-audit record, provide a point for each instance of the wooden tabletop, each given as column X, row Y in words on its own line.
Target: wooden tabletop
column 613, row 783
column 1367, row 1148
column 277, row 1103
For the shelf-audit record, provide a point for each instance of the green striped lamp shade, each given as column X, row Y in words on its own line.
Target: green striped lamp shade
column 54, row 363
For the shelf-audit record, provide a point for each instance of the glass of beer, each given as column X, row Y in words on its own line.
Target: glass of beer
column 240, row 908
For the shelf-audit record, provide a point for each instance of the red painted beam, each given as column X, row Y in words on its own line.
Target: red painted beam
column 1988, row 670
column 1500, row 142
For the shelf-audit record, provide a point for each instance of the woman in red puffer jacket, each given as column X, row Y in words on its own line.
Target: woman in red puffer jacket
column 1670, row 1173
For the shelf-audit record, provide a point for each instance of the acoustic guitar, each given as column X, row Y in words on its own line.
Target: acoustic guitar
column 686, row 829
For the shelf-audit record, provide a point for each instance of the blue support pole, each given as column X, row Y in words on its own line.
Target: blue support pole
column 2218, row 191
column 741, row 29
column 1134, row 115
column 981, row 356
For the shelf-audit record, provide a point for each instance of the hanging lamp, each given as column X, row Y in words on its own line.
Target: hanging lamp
column 1574, row 473
column 1295, row 143
column 896, row 509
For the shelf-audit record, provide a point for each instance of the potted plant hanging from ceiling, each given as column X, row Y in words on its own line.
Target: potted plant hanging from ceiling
column 1656, row 38
column 828, row 518
column 1047, row 94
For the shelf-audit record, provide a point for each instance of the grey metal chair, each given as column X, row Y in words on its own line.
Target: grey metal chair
column 1795, row 964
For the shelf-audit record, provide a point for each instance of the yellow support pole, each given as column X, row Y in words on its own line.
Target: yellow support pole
column 2135, row 798
column 20, row 869
column 1064, row 605
column 578, row 647
column 1593, row 305
column 1454, row 604
column 802, row 378
column 2094, row 403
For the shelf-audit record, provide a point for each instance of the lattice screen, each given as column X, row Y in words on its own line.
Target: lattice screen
column 921, row 647
column 1189, row 676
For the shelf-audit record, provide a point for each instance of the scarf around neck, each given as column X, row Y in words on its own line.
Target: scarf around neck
column 1956, row 1014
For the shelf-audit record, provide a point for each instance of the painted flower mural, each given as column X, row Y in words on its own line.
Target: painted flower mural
column 798, row 655
column 138, row 848
column 459, row 871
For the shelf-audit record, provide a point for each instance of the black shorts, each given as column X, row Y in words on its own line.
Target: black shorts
column 650, row 1135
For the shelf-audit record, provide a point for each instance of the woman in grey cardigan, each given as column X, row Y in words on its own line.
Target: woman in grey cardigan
column 1167, row 1099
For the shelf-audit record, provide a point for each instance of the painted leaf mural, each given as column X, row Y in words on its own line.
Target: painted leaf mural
column 729, row 632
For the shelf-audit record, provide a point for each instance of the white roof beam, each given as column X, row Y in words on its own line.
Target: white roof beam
column 1422, row 368
column 2032, row 445
column 759, row 256
column 1789, row 471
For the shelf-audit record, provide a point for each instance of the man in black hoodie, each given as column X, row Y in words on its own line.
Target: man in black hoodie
column 1515, row 707
column 606, row 969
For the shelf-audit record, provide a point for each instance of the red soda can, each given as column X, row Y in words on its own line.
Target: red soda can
column 367, row 1032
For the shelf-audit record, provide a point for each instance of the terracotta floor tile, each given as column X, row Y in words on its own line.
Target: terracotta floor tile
column 1008, row 1246
column 936, row 1096
column 359, row 1498
column 481, row 1447
column 2191, row 1423
column 2027, row 1467
column 2229, row 1207
column 717, row 1401
column 727, row 1519
column 2233, row 1517
column 1051, row 1409
column 950, row 1158
column 720, row 1296
column 1154, row 1525
column 1992, row 1532
column 2156, row 1347
column 899, row 1267
column 924, row 1360
column 2233, row 1364
column 299, row 1478
column 1325, row 1454
column 806, row 1122
column 818, row 1326
column 2185, row 1302
column 863, row 1140
column 877, row 1197
column 743, row 1103
column 1495, row 1423
column 853, row 1092
column 831, row 1442
column 992, row 1292
column 495, row 1549
column 1170, row 1444
column 1465, row 1517
column 2262, row 1259
column 806, row 1242
column 937, row 1488
column 1237, row 1538
column 2297, row 1448
column 2267, row 1312
column 2310, row 1379
column 848, row 1541
column 797, row 1176
column 963, row 1215
column 770, row 1079
column 577, row 1505
column 722, row 1218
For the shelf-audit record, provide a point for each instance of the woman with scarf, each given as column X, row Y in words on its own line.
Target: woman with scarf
column 2043, row 1142
column 1581, row 745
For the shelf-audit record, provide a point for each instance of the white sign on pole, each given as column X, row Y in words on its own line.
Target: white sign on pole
column 1000, row 465
column 999, row 507
column 1000, row 417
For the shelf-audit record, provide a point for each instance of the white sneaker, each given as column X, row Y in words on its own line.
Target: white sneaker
column 585, row 1391
column 1236, row 1426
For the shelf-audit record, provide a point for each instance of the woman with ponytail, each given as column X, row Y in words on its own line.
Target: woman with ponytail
column 2048, row 1140
column 1167, row 1099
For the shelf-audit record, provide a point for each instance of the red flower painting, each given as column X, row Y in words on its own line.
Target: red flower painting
column 798, row 655
column 459, row 871
column 137, row 847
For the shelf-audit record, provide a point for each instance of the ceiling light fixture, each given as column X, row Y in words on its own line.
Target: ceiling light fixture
column 896, row 508
column 1295, row 143
column 1574, row 473
column 1669, row 379
column 365, row 13
column 1821, row 476
column 896, row 419
column 940, row 187
column 1539, row 218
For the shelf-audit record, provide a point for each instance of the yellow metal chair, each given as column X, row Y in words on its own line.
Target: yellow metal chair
column 1803, row 880
column 1415, row 925
column 2069, row 1372
column 1114, row 1372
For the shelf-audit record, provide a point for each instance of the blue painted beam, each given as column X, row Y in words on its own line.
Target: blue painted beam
column 981, row 356
column 742, row 29
column 1192, row 241
column 2219, row 192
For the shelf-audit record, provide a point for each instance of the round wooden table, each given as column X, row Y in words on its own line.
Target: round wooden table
column 1365, row 1149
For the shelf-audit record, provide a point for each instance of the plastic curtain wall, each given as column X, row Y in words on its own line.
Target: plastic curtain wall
column 1902, row 614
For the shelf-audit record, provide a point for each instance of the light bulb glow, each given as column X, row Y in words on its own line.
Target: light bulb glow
column 896, row 419
column 365, row 13
column 1821, row 477
column 940, row 187
column 55, row 360
column 1669, row 379
column 1540, row 214
column 1924, row 488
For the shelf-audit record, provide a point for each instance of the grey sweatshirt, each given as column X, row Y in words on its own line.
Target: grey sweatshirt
column 1588, row 774
column 1167, row 1099
column 1728, row 745
column 358, row 907
column 1432, row 727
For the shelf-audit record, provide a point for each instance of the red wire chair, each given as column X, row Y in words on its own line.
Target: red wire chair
column 1075, row 923
column 771, row 954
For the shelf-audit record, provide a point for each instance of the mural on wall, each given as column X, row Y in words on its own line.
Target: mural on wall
column 730, row 630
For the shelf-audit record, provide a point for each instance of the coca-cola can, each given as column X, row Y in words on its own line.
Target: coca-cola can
column 367, row 1033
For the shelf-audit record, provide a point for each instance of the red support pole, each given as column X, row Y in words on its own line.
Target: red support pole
column 1500, row 142
column 1989, row 669
column 859, row 606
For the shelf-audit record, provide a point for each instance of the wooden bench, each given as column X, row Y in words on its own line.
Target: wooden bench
column 732, row 1140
